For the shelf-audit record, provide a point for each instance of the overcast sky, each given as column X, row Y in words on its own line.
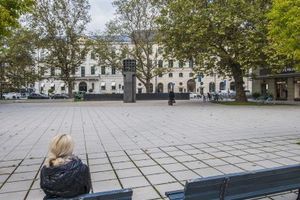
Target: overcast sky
column 101, row 12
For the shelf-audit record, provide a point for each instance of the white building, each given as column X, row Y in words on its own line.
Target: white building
column 93, row 78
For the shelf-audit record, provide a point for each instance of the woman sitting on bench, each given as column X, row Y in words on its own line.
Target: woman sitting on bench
column 64, row 175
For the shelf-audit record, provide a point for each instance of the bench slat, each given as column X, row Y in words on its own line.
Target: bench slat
column 125, row 194
column 204, row 188
column 175, row 195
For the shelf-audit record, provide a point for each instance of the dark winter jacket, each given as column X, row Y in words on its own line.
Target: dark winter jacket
column 68, row 180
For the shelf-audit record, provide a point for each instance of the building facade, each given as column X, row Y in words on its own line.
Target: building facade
column 282, row 86
column 93, row 78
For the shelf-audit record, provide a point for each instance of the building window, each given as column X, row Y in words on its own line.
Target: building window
column 82, row 71
column 191, row 74
column 52, row 71
column 222, row 85
column 181, row 75
column 160, row 50
column 160, row 63
column 103, row 70
column 160, row 75
column 113, row 87
column 171, row 63
column 93, row 55
column 170, row 75
column 103, row 86
column 181, row 90
column 181, row 64
column 93, row 86
column 232, row 86
column 191, row 63
column 212, row 87
column 93, row 70
column 113, row 70
column 42, row 71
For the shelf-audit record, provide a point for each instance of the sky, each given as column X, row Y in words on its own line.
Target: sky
column 101, row 12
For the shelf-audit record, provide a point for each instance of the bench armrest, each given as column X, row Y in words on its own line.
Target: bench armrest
column 124, row 194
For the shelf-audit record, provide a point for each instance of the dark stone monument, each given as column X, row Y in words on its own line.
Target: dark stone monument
column 129, row 73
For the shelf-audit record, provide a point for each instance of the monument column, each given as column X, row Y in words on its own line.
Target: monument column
column 129, row 74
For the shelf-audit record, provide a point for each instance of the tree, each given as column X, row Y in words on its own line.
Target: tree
column 10, row 11
column 61, row 25
column 19, row 62
column 284, row 31
column 223, row 36
column 136, row 21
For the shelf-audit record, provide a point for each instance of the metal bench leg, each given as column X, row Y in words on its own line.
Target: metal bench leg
column 298, row 198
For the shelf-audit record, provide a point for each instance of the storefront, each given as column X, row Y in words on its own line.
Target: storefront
column 297, row 89
column 281, row 89
column 284, row 86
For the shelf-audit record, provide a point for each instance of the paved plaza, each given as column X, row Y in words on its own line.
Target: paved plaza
column 147, row 146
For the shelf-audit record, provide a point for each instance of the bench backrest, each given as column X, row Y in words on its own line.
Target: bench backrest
column 244, row 185
column 204, row 188
column 263, row 182
column 125, row 194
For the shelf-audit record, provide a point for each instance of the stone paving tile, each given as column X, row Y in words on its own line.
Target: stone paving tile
column 16, row 186
column 184, row 175
column 174, row 167
column 145, row 193
column 156, row 179
column 100, row 168
column 203, row 156
column 215, row 162
column 195, row 165
column 21, row 176
column 152, row 170
column 268, row 164
column 98, row 161
column 102, row 186
column 37, row 194
column 229, row 169
column 134, row 182
column 249, row 166
column 103, row 176
column 207, row 172
column 12, row 195
column 126, row 173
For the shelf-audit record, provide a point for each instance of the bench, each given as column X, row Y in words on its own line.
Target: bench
column 125, row 194
column 241, row 186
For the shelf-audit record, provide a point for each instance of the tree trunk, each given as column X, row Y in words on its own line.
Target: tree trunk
column 239, row 83
column 70, row 89
column 148, row 86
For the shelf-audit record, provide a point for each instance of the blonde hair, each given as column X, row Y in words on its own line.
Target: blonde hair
column 60, row 149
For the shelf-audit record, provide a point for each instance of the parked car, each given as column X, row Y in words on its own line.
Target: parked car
column 11, row 95
column 37, row 96
column 60, row 96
